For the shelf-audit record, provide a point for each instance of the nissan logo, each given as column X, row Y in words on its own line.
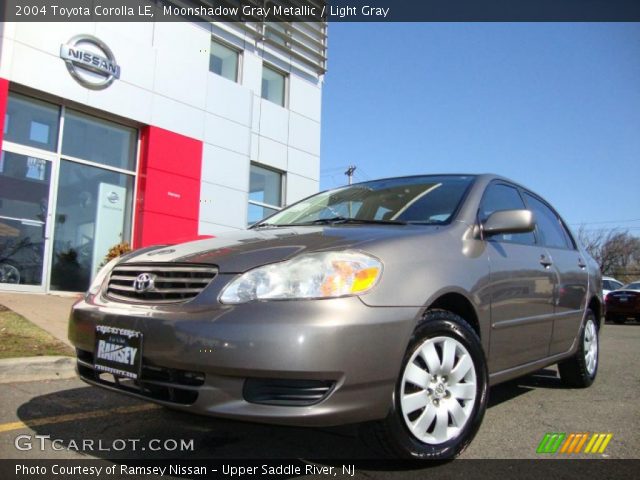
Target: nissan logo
column 144, row 282
column 90, row 61
column 113, row 197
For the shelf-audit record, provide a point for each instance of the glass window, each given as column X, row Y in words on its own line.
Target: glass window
column 499, row 197
column 93, row 213
column 273, row 83
column 265, row 193
column 277, row 33
column 611, row 284
column 548, row 224
column 31, row 122
column 265, row 186
column 97, row 140
column 24, row 198
column 223, row 61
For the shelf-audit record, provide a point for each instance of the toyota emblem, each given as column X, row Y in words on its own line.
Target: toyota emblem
column 144, row 282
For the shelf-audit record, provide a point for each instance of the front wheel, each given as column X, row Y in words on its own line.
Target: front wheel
column 441, row 393
column 580, row 370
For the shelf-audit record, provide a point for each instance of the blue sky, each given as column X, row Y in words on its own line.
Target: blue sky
column 553, row 106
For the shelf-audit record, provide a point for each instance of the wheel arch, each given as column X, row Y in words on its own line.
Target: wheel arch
column 596, row 307
column 458, row 303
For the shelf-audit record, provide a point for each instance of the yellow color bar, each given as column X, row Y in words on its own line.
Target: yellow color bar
column 605, row 443
column 591, row 442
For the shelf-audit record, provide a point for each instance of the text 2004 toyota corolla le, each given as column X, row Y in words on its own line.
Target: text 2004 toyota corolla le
column 393, row 303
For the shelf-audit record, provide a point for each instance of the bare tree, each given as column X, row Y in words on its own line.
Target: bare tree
column 617, row 252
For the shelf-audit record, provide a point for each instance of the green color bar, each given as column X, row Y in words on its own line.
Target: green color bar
column 550, row 442
column 556, row 446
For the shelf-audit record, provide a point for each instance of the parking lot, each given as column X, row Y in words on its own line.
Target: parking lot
column 519, row 415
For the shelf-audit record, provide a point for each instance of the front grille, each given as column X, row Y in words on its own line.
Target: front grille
column 165, row 283
column 292, row 393
column 157, row 383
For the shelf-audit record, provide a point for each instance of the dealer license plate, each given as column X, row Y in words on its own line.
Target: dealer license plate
column 118, row 351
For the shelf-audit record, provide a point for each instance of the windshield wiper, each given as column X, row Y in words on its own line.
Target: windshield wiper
column 265, row 225
column 331, row 221
column 342, row 220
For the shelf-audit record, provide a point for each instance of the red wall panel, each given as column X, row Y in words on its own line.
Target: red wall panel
column 168, row 199
column 165, row 229
column 171, row 194
column 4, row 95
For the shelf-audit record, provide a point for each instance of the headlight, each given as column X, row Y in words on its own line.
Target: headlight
column 100, row 277
column 315, row 275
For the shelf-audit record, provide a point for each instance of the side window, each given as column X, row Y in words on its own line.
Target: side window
column 499, row 197
column 549, row 225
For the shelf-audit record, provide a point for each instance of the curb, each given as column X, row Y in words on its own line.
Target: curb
column 32, row 369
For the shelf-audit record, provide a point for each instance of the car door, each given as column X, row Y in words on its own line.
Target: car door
column 521, row 286
column 570, row 295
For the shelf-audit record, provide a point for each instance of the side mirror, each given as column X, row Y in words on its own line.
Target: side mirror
column 508, row 221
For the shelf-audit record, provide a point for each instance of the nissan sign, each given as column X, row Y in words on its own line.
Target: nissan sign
column 90, row 61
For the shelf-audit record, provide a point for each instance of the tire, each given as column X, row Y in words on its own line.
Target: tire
column 580, row 370
column 441, row 418
column 9, row 273
column 618, row 320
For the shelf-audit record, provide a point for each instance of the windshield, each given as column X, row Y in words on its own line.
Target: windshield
column 429, row 200
column 633, row 286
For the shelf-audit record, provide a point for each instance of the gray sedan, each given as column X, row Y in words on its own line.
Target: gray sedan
column 393, row 303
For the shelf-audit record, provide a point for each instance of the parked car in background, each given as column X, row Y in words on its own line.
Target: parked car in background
column 395, row 303
column 624, row 303
column 609, row 284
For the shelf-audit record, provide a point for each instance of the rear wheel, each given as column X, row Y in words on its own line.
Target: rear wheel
column 441, row 393
column 9, row 273
column 580, row 370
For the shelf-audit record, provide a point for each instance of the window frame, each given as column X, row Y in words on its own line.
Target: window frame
column 238, row 52
column 573, row 246
column 285, row 86
column 277, row 208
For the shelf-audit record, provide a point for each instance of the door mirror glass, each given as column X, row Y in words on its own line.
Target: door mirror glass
column 508, row 221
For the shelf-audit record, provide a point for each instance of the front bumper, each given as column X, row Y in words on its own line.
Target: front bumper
column 356, row 349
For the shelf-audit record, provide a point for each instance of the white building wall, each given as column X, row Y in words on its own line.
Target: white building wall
column 165, row 82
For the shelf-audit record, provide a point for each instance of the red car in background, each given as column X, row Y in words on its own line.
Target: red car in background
column 624, row 303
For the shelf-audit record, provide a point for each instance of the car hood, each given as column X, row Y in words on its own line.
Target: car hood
column 239, row 251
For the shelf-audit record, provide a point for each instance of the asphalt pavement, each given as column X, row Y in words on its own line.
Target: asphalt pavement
column 66, row 419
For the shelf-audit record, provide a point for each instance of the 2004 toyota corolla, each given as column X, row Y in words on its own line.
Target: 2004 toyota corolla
column 393, row 303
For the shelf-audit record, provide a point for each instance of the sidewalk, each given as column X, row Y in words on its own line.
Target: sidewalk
column 49, row 312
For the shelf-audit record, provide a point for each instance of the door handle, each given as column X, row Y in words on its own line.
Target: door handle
column 545, row 261
column 581, row 264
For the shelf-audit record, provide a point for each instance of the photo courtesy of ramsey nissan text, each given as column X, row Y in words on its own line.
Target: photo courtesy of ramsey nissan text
column 297, row 238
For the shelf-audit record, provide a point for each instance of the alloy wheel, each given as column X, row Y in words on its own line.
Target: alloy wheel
column 438, row 390
column 590, row 346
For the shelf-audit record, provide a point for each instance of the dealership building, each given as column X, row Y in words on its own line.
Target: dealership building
column 148, row 133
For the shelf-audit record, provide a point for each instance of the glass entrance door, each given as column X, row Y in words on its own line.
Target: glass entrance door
column 25, row 187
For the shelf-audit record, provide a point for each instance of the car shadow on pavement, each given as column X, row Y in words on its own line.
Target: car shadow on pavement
column 545, row 378
column 86, row 414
